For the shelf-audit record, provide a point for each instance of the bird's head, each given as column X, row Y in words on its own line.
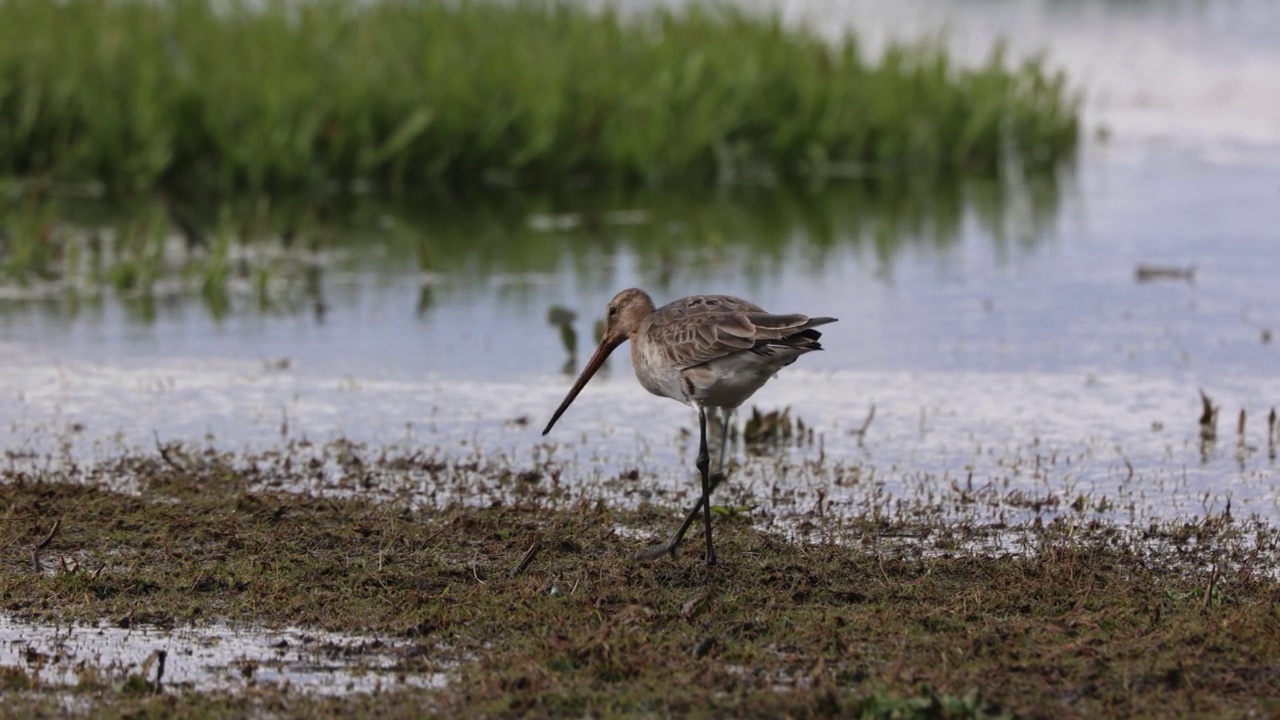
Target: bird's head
column 623, row 316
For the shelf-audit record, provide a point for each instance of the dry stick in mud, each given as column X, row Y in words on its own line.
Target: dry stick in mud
column 527, row 560
column 35, row 552
column 706, row 351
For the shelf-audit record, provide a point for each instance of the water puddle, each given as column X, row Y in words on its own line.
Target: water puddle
column 210, row 658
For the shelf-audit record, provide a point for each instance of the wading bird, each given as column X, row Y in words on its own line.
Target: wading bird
column 704, row 351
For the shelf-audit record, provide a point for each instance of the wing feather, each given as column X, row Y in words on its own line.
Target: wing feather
column 701, row 328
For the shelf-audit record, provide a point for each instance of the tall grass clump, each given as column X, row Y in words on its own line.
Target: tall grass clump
column 238, row 96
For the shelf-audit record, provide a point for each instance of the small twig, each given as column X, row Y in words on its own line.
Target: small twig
column 527, row 560
column 57, row 524
column 1208, row 591
column 862, row 431
column 35, row 551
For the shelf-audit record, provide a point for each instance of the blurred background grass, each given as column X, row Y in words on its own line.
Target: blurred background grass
column 238, row 97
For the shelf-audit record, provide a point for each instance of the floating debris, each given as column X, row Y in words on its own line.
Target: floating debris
column 1151, row 273
column 1208, row 419
column 277, row 365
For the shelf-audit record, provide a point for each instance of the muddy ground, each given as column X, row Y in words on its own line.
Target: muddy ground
column 805, row 616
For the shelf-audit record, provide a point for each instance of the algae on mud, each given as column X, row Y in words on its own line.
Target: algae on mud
column 254, row 97
column 853, row 616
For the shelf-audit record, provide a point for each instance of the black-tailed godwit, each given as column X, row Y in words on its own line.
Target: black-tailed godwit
column 704, row 351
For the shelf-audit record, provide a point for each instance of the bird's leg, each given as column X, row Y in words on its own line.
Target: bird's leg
column 656, row 551
column 726, row 414
column 704, row 467
column 703, row 505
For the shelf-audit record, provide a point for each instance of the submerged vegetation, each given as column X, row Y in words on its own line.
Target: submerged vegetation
column 150, row 248
column 242, row 97
column 899, row 615
column 274, row 255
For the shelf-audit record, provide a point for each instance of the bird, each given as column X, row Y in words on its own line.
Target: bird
column 706, row 351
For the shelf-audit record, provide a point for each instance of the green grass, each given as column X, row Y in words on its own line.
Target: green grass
column 210, row 96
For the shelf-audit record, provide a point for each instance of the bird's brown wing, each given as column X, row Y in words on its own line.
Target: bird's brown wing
column 701, row 304
column 696, row 338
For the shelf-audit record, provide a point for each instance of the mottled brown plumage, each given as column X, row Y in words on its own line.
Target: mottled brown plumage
column 702, row 350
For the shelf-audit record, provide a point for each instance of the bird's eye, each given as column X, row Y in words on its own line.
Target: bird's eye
column 613, row 311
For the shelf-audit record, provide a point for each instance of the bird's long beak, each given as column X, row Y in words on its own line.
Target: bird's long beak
column 601, row 354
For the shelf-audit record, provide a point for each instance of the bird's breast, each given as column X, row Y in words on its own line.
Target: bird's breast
column 656, row 371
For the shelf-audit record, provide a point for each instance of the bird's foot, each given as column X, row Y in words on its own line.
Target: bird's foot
column 653, row 552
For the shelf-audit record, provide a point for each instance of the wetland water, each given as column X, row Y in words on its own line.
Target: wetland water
column 1000, row 333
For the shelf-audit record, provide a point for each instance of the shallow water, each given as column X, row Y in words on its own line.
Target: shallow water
column 205, row 658
column 986, row 326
